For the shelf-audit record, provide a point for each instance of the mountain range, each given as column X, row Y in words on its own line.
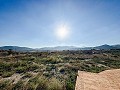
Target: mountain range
column 59, row 48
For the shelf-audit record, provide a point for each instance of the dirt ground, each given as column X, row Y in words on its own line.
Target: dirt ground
column 106, row 80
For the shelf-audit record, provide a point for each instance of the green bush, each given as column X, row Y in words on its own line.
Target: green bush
column 69, row 85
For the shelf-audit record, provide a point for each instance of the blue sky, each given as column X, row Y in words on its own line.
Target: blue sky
column 33, row 23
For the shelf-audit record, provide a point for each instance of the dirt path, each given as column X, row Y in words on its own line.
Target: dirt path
column 106, row 80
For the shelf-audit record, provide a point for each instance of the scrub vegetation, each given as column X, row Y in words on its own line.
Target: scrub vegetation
column 51, row 70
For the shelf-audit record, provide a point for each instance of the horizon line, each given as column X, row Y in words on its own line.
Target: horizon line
column 58, row 46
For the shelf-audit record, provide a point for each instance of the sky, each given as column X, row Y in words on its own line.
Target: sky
column 44, row 23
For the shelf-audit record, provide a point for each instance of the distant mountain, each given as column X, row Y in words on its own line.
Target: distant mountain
column 116, row 46
column 16, row 48
column 86, row 48
column 60, row 48
column 105, row 47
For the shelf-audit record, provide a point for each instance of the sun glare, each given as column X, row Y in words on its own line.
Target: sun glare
column 62, row 32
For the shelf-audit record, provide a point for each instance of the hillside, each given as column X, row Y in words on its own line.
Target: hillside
column 106, row 80
column 15, row 48
column 60, row 48
column 106, row 47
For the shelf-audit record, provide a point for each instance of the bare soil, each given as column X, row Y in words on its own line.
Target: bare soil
column 106, row 80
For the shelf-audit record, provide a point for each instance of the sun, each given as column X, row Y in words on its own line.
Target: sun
column 62, row 32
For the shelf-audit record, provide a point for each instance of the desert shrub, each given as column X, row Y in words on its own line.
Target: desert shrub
column 6, row 66
column 53, row 66
column 32, row 58
column 7, row 74
column 69, row 85
column 16, row 64
column 70, row 81
column 48, row 68
column 55, row 84
column 20, row 69
column 6, row 69
column 66, row 58
column 31, row 85
column 96, row 69
column 93, row 67
column 27, row 75
column 3, row 85
column 113, row 63
column 50, row 60
column 33, row 67
column 46, row 74
column 20, row 64
column 42, row 83
column 28, row 58
column 19, row 85
column 37, row 83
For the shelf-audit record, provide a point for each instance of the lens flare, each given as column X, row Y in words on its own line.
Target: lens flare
column 62, row 32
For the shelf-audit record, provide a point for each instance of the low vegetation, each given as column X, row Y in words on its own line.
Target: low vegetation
column 52, row 70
